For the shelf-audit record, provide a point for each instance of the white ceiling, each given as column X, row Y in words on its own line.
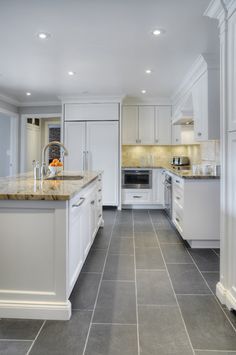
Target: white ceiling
column 108, row 43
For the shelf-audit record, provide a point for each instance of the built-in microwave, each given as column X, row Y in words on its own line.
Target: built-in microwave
column 136, row 179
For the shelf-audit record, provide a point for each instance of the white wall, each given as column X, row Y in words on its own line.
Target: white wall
column 5, row 141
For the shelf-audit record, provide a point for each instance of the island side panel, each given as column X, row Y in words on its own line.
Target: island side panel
column 33, row 259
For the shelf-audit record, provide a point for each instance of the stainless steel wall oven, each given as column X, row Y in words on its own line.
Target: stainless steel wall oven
column 136, row 179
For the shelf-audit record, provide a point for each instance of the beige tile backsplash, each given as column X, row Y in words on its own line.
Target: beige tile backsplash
column 151, row 155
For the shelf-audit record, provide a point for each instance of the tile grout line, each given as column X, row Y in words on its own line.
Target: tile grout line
column 190, row 343
column 99, row 286
column 136, row 292
column 216, row 351
column 211, row 292
column 23, row 340
column 36, row 338
column 216, row 253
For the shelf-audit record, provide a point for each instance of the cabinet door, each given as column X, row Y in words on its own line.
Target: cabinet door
column 176, row 134
column 130, row 125
column 232, row 72
column 94, row 112
column 103, row 152
column 232, row 212
column 163, row 125
column 146, row 124
column 200, row 108
column 77, row 234
column 75, row 143
column 158, row 178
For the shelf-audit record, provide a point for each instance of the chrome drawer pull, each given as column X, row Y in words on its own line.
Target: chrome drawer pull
column 100, row 216
column 100, row 200
column 177, row 219
column 99, row 190
column 177, row 198
column 92, row 202
column 137, row 196
column 81, row 201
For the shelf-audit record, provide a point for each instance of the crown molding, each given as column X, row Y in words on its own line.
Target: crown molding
column 9, row 100
column 92, row 99
column 216, row 10
column 204, row 62
column 39, row 103
column 147, row 101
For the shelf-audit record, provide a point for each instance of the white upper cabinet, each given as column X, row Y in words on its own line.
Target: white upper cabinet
column 91, row 112
column 162, row 125
column 146, row 124
column 232, row 73
column 130, row 125
column 182, row 134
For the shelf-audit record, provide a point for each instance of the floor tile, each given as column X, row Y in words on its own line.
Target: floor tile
column 17, row 329
column 121, row 246
column 143, row 228
column 116, row 303
column 95, row 261
column 145, row 240
column 217, row 251
column 162, row 332
column 14, row 347
column 206, row 323
column 186, row 279
column 205, row 259
column 169, row 236
column 162, row 225
column 85, row 291
column 119, row 267
column 176, row 253
column 212, row 278
column 60, row 337
column 149, row 258
column 154, row 288
column 110, row 339
column 102, row 240
column 123, row 230
column 215, row 352
column 109, row 216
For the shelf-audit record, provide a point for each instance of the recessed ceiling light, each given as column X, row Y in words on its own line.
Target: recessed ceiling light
column 157, row 32
column 71, row 73
column 148, row 71
column 43, row 35
column 28, row 94
column 143, row 91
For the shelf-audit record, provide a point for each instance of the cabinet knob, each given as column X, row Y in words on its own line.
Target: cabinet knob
column 156, row 140
column 199, row 134
column 176, row 140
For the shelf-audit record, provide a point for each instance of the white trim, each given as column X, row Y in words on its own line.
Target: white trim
column 9, row 100
column 225, row 296
column 43, row 310
column 216, row 10
column 199, row 67
column 39, row 103
column 91, row 99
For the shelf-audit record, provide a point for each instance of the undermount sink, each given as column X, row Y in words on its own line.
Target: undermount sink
column 65, row 177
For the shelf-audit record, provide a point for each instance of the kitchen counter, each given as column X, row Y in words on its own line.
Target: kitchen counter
column 185, row 174
column 24, row 187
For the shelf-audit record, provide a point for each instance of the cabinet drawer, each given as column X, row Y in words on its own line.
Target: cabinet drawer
column 136, row 197
column 178, row 197
column 178, row 210
column 178, row 182
column 178, row 221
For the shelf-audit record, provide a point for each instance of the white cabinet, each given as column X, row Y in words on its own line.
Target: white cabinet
column 232, row 216
column 232, row 73
column 94, row 145
column 182, row 134
column 146, row 125
column 196, row 210
column 75, row 141
column 91, row 111
column 162, row 125
column 206, row 107
column 158, row 177
column 152, row 196
column 130, row 125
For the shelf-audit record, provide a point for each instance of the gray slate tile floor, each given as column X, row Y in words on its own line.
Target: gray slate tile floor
column 141, row 292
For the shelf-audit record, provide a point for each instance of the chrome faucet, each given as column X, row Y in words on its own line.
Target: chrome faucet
column 43, row 167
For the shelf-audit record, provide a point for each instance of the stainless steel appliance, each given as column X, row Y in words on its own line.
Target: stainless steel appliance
column 168, row 194
column 136, row 179
column 180, row 161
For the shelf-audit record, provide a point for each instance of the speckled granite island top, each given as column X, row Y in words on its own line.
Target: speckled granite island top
column 24, row 187
column 185, row 174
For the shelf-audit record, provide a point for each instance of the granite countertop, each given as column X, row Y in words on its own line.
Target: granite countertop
column 24, row 187
column 185, row 174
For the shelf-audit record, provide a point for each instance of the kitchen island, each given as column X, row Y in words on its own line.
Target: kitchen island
column 47, row 228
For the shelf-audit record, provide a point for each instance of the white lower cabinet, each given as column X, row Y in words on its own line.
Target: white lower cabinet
column 85, row 217
column 196, row 210
column 153, row 196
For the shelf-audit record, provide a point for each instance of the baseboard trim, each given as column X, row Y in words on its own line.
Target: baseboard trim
column 225, row 297
column 45, row 311
column 203, row 243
